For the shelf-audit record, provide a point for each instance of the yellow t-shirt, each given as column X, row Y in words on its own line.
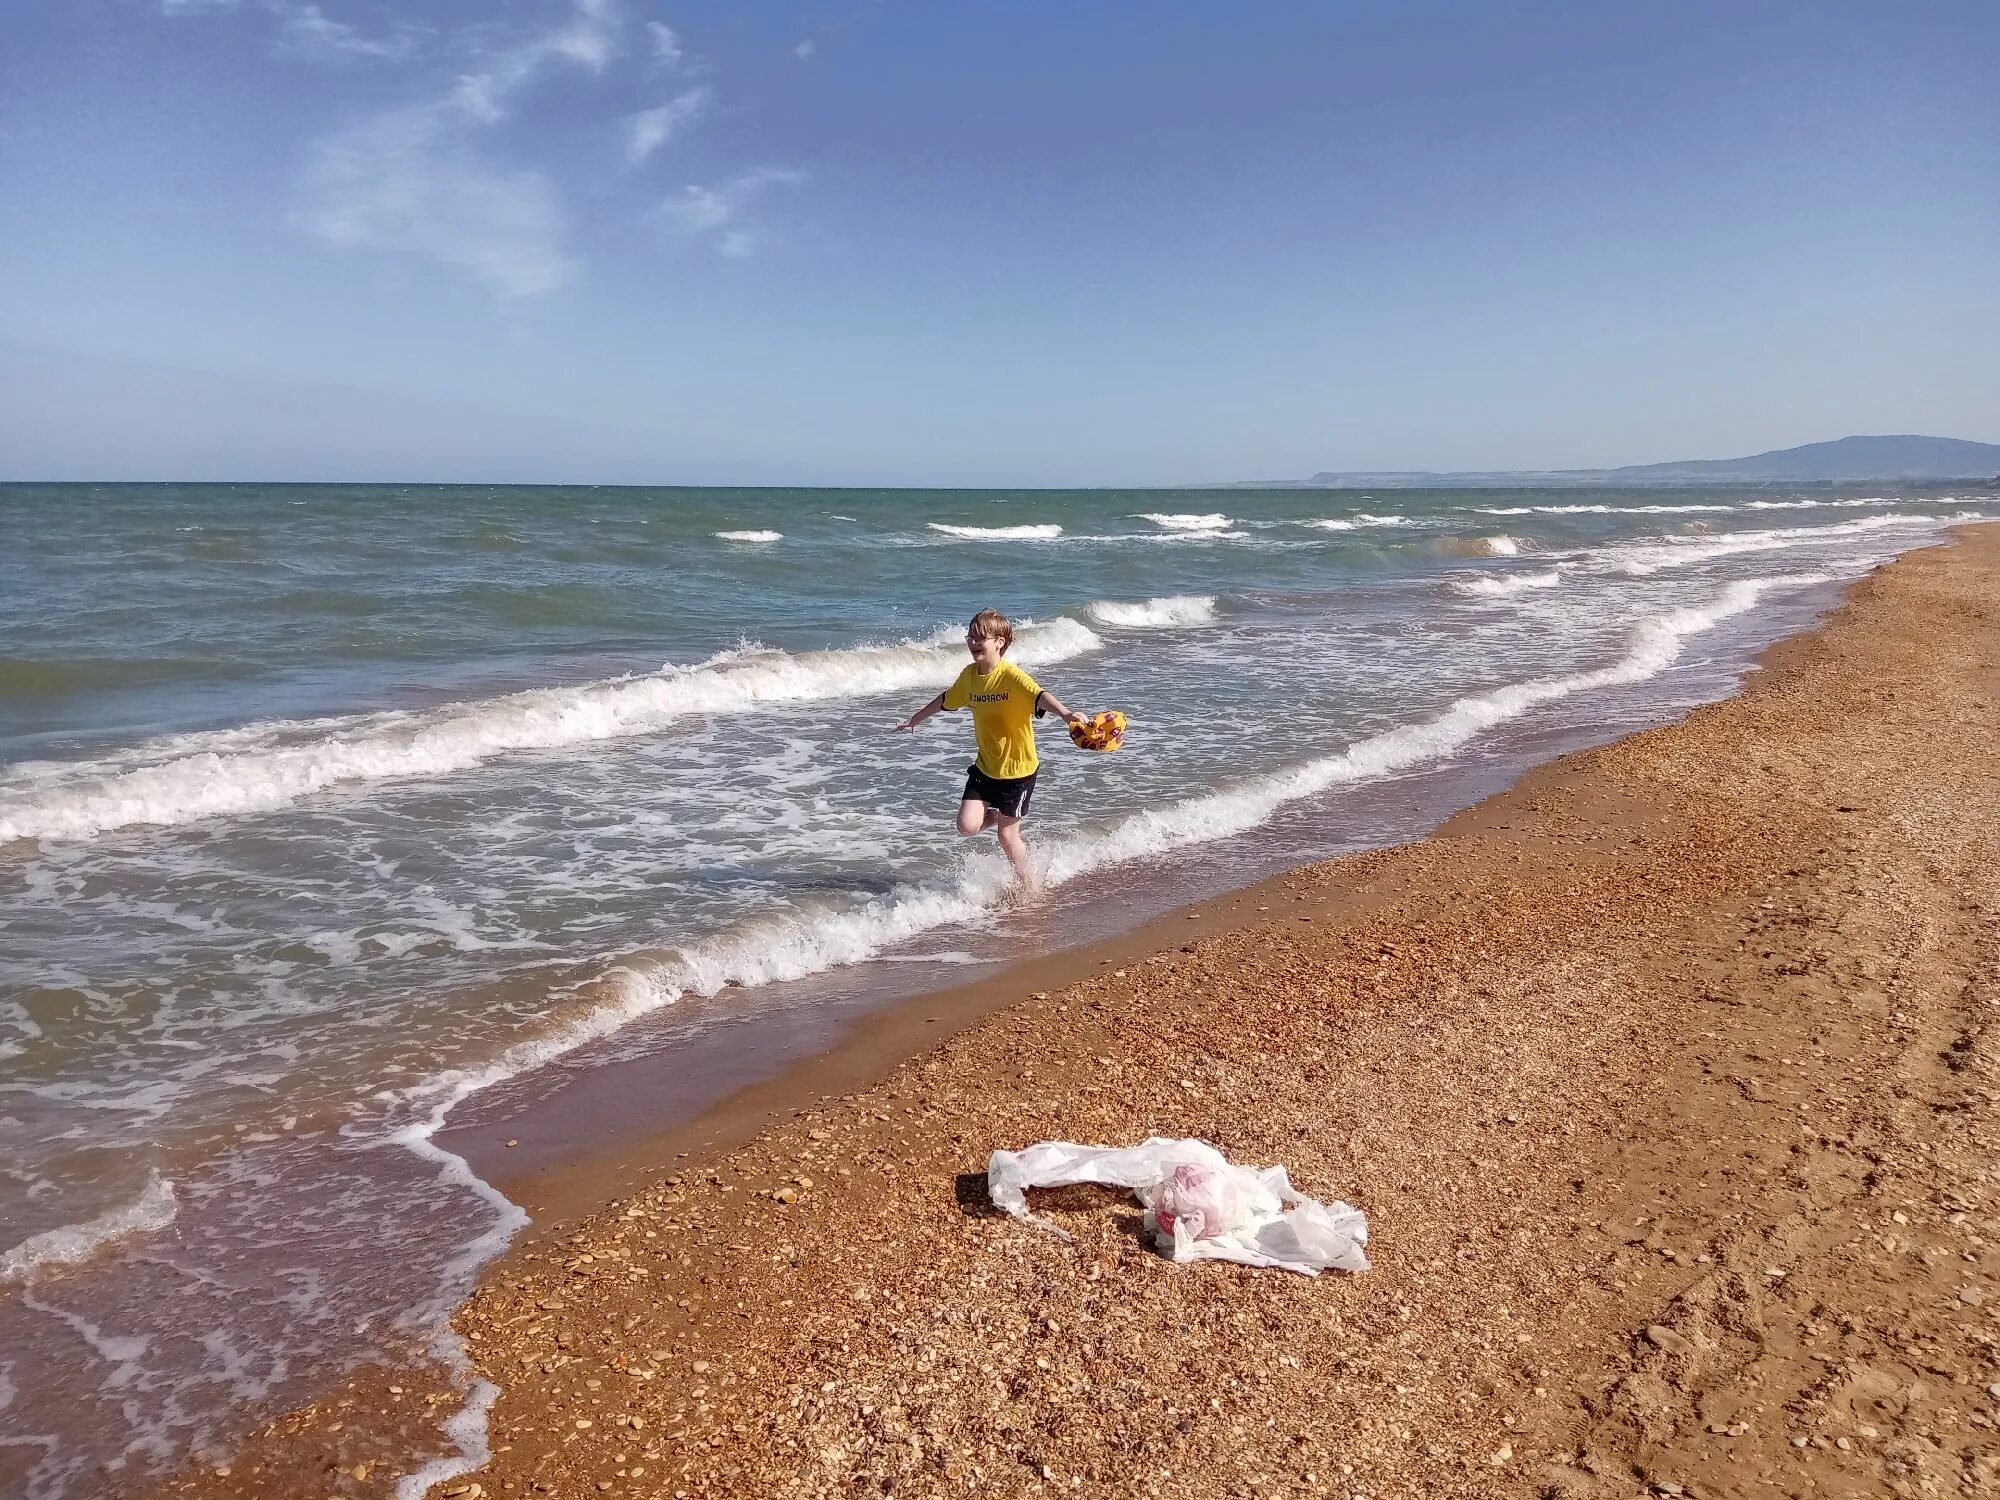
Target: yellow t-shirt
column 1003, row 717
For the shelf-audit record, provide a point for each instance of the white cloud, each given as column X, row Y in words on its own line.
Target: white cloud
column 805, row 49
column 411, row 180
column 426, row 178
column 307, row 31
column 651, row 129
column 701, row 210
column 589, row 39
column 666, row 45
column 417, row 179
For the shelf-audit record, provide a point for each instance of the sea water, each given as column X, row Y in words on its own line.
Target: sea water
column 329, row 815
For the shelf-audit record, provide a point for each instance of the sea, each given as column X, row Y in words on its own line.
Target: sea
column 335, row 817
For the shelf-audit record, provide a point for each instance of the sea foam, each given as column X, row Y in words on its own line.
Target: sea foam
column 750, row 536
column 1645, row 558
column 153, row 1209
column 1599, row 510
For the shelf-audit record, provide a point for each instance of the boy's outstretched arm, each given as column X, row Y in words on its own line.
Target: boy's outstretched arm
column 1057, row 707
column 934, row 706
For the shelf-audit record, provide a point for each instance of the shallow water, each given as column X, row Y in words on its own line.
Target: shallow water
column 324, row 810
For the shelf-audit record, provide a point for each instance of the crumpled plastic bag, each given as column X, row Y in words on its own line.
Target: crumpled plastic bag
column 1199, row 1204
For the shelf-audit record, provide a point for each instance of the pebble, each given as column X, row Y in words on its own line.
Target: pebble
column 1665, row 1338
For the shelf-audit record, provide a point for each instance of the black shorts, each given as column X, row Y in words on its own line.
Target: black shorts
column 1009, row 795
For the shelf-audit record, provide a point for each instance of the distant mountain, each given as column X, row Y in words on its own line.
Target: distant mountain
column 1845, row 460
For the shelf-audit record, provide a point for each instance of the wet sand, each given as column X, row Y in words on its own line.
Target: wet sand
column 1667, row 1081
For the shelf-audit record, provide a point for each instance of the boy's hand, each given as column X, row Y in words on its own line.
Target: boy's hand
column 905, row 727
column 1074, row 718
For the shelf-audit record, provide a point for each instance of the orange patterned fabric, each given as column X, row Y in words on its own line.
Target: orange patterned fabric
column 1105, row 732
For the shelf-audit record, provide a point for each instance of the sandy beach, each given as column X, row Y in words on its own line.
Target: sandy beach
column 1666, row 1081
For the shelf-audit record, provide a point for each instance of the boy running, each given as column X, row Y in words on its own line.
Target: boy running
column 1004, row 701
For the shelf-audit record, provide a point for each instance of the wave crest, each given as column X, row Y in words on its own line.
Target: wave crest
column 1506, row 585
column 1169, row 610
column 1173, row 521
column 267, row 766
column 1357, row 522
column 1043, row 533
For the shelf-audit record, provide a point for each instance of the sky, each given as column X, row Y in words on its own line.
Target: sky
column 985, row 242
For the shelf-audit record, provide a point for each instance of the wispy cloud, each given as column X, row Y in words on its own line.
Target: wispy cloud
column 419, row 178
column 306, row 31
column 718, row 210
column 651, row 129
column 434, row 177
column 589, row 39
column 412, row 180
column 805, row 49
column 666, row 45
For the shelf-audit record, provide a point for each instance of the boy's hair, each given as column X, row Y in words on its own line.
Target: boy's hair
column 990, row 622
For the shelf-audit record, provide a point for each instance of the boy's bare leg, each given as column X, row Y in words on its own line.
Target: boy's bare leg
column 1016, row 848
column 974, row 817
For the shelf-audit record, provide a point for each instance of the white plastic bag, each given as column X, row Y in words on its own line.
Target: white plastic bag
column 1199, row 1204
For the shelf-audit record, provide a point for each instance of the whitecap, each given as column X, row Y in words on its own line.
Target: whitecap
column 1356, row 522
column 1169, row 610
column 1046, row 533
column 1214, row 521
column 1505, row 585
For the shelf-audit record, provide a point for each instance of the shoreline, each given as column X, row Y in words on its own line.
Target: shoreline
column 878, row 1093
column 871, row 1044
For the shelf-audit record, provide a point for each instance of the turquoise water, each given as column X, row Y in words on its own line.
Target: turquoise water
column 326, row 812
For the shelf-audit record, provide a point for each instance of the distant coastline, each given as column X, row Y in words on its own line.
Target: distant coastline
column 1901, row 459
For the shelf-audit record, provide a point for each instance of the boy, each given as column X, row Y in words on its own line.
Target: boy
column 1004, row 701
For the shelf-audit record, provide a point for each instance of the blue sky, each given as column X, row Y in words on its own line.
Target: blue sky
column 985, row 243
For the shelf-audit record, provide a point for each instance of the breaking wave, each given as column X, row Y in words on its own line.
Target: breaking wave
column 795, row 944
column 1044, row 533
column 1357, row 522
column 1506, row 585
column 1172, row 522
column 1174, row 609
column 266, row 766
column 750, row 536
